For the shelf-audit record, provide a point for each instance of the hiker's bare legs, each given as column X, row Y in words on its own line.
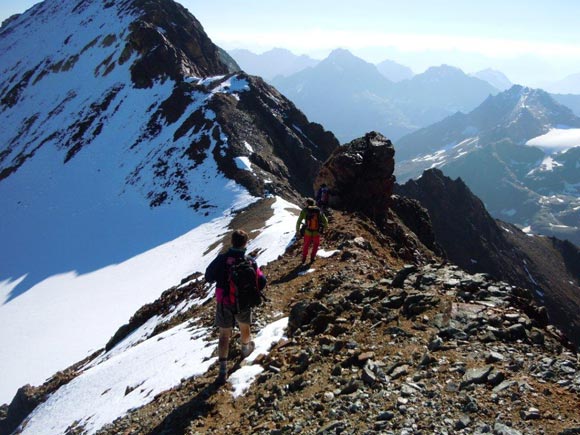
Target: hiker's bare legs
column 224, row 343
column 223, row 350
column 246, row 339
column 245, row 335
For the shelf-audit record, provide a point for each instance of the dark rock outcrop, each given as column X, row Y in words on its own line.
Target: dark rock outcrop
column 477, row 242
column 183, row 49
column 360, row 175
column 463, row 227
column 417, row 219
column 23, row 404
column 286, row 148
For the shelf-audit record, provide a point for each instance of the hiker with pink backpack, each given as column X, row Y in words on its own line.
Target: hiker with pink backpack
column 239, row 284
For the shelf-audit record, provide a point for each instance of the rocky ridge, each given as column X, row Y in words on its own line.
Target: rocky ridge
column 381, row 340
column 477, row 242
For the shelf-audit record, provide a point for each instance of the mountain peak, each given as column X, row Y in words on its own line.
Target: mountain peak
column 346, row 64
column 536, row 103
column 495, row 78
column 444, row 70
column 341, row 53
column 394, row 71
column 279, row 51
column 120, row 117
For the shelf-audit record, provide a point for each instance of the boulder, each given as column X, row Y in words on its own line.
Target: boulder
column 360, row 175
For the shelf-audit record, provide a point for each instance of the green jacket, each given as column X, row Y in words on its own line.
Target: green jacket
column 323, row 223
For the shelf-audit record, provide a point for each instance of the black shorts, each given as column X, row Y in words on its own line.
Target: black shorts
column 226, row 316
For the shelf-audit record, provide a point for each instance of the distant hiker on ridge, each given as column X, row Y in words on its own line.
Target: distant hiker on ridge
column 315, row 222
column 239, row 282
column 322, row 197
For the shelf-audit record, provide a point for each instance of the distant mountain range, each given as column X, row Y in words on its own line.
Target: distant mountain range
column 495, row 78
column 347, row 95
column 282, row 62
column 272, row 63
column 568, row 85
column 350, row 96
column 519, row 151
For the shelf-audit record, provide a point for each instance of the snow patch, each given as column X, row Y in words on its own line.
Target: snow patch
column 244, row 164
column 326, row 254
column 529, row 274
column 557, row 140
column 242, row 378
column 209, row 114
column 278, row 232
column 232, row 85
column 548, row 164
column 248, row 147
column 559, row 226
column 128, row 380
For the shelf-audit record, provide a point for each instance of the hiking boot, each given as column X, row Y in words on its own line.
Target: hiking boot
column 221, row 378
column 247, row 349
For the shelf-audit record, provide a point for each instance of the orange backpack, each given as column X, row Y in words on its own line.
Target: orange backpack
column 313, row 218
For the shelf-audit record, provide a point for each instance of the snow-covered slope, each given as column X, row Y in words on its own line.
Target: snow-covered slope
column 65, row 226
column 122, row 129
column 141, row 366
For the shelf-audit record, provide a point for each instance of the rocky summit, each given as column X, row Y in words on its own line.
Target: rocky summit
column 360, row 175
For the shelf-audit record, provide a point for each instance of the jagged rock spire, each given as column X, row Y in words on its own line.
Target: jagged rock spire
column 360, row 175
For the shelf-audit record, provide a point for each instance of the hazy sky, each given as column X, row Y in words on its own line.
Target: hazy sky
column 529, row 40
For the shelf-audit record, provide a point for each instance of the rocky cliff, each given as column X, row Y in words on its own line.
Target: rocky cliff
column 477, row 242
column 360, row 175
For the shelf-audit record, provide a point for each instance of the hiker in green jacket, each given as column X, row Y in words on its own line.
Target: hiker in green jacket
column 315, row 223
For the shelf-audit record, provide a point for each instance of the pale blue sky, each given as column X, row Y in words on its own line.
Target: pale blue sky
column 531, row 41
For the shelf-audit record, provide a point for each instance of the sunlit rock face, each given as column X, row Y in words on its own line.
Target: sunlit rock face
column 360, row 175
